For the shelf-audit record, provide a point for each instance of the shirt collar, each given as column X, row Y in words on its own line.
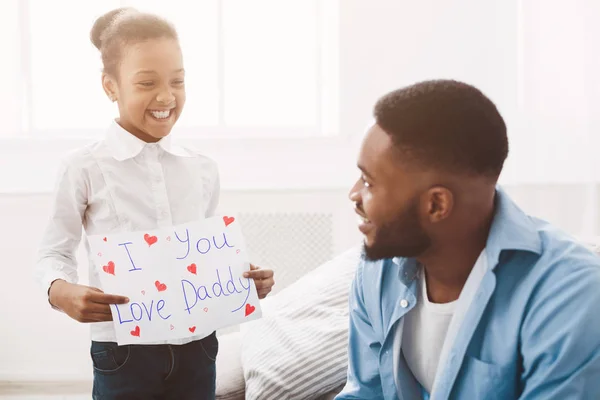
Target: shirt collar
column 511, row 229
column 123, row 145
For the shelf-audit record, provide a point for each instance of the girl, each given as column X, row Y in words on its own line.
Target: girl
column 135, row 179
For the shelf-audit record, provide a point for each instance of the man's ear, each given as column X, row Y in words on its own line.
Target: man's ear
column 440, row 202
column 110, row 87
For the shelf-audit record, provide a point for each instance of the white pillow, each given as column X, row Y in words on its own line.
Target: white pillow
column 298, row 350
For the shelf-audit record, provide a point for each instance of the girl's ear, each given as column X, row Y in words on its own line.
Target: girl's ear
column 110, row 87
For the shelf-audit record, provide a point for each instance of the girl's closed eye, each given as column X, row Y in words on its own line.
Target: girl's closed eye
column 178, row 82
column 146, row 84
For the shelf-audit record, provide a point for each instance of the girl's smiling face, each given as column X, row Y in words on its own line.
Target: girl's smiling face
column 149, row 88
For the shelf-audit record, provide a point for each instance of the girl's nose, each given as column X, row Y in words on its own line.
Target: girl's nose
column 165, row 97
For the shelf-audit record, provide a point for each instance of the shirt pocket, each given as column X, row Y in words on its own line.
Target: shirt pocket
column 482, row 380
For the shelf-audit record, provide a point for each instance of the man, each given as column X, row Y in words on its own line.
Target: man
column 461, row 295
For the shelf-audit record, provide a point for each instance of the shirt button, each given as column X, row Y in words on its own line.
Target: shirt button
column 403, row 303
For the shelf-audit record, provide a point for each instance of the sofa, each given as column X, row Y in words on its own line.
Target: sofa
column 298, row 349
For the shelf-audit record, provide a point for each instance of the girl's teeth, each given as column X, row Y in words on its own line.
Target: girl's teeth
column 160, row 114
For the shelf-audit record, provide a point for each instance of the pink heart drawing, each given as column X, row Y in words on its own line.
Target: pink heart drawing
column 144, row 292
column 109, row 268
column 228, row 220
column 172, row 327
column 168, row 238
column 150, row 239
column 249, row 309
column 237, row 251
column 99, row 254
column 136, row 331
column 161, row 287
column 192, row 268
column 205, row 309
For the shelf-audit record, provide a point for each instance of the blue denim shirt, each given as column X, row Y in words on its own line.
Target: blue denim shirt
column 531, row 331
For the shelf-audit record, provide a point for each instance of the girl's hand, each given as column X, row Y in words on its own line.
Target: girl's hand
column 83, row 303
column 263, row 279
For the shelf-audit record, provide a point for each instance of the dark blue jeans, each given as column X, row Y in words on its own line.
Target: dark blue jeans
column 148, row 372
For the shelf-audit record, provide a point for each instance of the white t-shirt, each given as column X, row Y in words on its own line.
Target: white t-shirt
column 424, row 333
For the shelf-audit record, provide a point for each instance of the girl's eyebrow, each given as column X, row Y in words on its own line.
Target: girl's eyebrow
column 145, row 71
column 149, row 71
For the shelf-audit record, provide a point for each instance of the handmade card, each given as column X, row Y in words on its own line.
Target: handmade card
column 181, row 282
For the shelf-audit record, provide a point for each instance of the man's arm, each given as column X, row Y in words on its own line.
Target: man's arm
column 561, row 336
column 363, row 380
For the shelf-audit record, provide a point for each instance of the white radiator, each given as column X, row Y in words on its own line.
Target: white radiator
column 289, row 243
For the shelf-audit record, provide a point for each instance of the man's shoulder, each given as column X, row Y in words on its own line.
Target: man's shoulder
column 562, row 285
column 564, row 260
column 561, row 250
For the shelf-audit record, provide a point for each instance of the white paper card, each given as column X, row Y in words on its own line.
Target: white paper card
column 182, row 281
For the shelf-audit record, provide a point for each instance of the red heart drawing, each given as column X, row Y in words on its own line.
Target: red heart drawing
column 150, row 239
column 136, row 331
column 109, row 268
column 104, row 239
column 228, row 220
column 249, row 309
column 161, row 287
column 172, row 327
column 144, row 292
column 192, row 268
column 192, row 329
column 205, row 309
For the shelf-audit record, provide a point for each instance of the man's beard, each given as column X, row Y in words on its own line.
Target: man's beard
column 402, row 237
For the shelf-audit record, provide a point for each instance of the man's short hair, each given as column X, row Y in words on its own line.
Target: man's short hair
column 447, row 125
